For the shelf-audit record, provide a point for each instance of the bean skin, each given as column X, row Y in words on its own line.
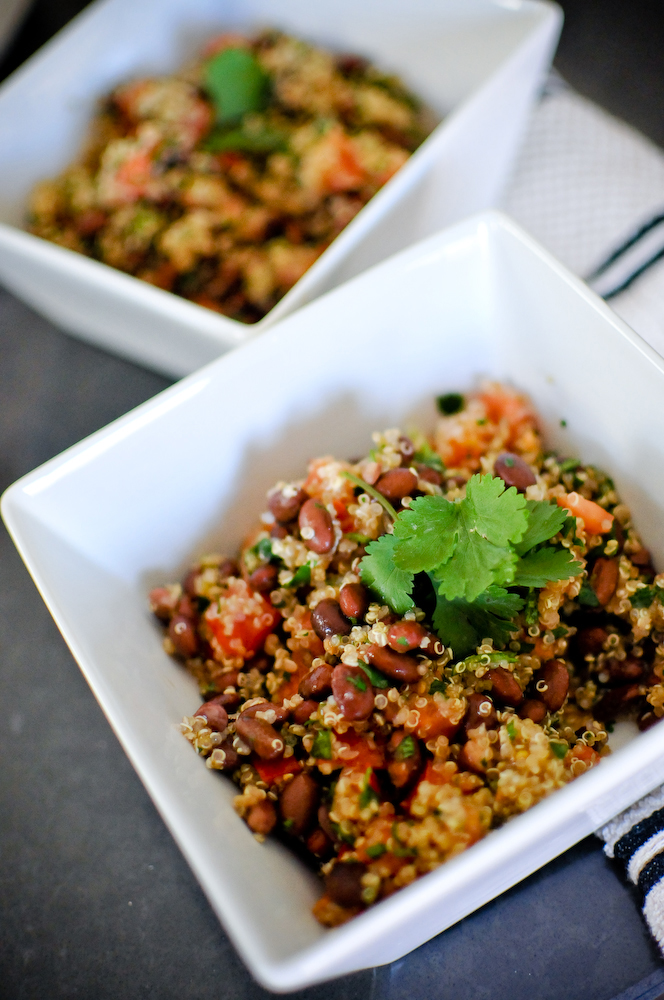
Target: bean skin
column 326, row 823
column 402, row 769
column 614, row 700
column 163, row 603
column 316, row 526
column 278, row 531
column 472, row 757
column 604, row 579
column 556, row 677
column 514, row 471
column 230, row 700
column 317, row 684
column 319, row 843
column 262, row 817
column 397, row 484
column 327, row 619
column 480, row 710
column 264, row 578
column 352, row 692
column 216, row 714
column 260, row 662
column 397, row 666
column 344, row 883
column 298, row 803
column 590, row 641
column 404, row 636
column 622, row 671
column 261, row 737
column 532, row 708
column 226, row 568
column 182, row 633
column 505, row 686
column 187, row 607
column 232, row 757
column 266, row 708
column 428, row 474
column 353, row 600
column 303, row 712
column 285, row 508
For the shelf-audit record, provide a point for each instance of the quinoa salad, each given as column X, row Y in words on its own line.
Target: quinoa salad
column 224, row 182
column 414, row 647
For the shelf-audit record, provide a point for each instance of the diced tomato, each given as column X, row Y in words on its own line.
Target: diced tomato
column 346, row 522
column 437, row 719
column 503, row 405
column 136, row 173
column 271, row 770
column 582, row 752
column 241, row 620
column 431, row 774
column 597, row 520
column 368, row 755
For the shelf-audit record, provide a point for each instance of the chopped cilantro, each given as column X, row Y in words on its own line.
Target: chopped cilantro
column 376, row 850
column 400, row 849
column 511, row 730
column 245, row 139
column 202, row 603
column 563, row 423
column 263, row 549
column 288, row 823
column 438, row 686
column 360, row 539
column 368, row 793
column 587, row 596
column 569, row 464
column 450, row 403
column 531, row 613
column 322, row 747
column 301, row 576
column 425, row 455
column 643, row 597
column 357, row 682
column 558, row 749
column 406, row 748
column 377, row 679
column 560, row 632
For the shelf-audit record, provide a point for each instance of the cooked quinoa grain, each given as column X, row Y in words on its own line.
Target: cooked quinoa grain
column 386, row 706
column 224, row 182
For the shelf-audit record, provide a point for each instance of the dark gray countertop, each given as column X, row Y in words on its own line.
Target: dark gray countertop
column 95, row 898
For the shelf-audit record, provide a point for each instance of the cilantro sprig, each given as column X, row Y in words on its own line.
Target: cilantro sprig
column 472, row 550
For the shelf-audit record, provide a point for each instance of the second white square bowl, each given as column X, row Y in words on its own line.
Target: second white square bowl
column 187, row 472
column 478, row 63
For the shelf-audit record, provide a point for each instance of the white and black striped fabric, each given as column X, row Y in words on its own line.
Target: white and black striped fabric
column 591, row 189
column 636, row 838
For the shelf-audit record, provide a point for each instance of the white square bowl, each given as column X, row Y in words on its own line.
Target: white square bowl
column 479, row 63
column 187, row 473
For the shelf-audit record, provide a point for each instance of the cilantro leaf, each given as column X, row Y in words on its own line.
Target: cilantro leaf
column 537, row 568
column 259, row 140
column 301, row 576
column 236, row 83
column 379, row 573
column 376, row 850
column 476, row 565
column 450, row 403
column 426, row 533
column 463, row 624
column 496, row 513
column 558, row 748
column 407, row 748
column 377, row 679
column 644, row 597
column 322, row 747
column 544, row 521
column 587, row 596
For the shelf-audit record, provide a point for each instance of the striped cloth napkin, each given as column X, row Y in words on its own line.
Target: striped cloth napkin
column 591, row 190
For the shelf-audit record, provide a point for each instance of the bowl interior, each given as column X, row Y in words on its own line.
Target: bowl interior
column 187, row 473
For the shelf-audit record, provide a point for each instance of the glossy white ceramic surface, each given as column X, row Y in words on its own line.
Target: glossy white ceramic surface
column 478, row 63
column 187, row 473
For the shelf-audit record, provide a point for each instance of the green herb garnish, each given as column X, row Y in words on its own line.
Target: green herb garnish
column 425, row 455
column 357, row 682
column 405, row 749
column 236, row 83
column 322, row 746
column 374, row 494
column 438, row 686
column 559, row 750
column 450, row 403
column 511, row 730
column 644, row 597
column 301, row 576
column 368, row 793
column 377, row 679
column 587, row 596
column 376, row 850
